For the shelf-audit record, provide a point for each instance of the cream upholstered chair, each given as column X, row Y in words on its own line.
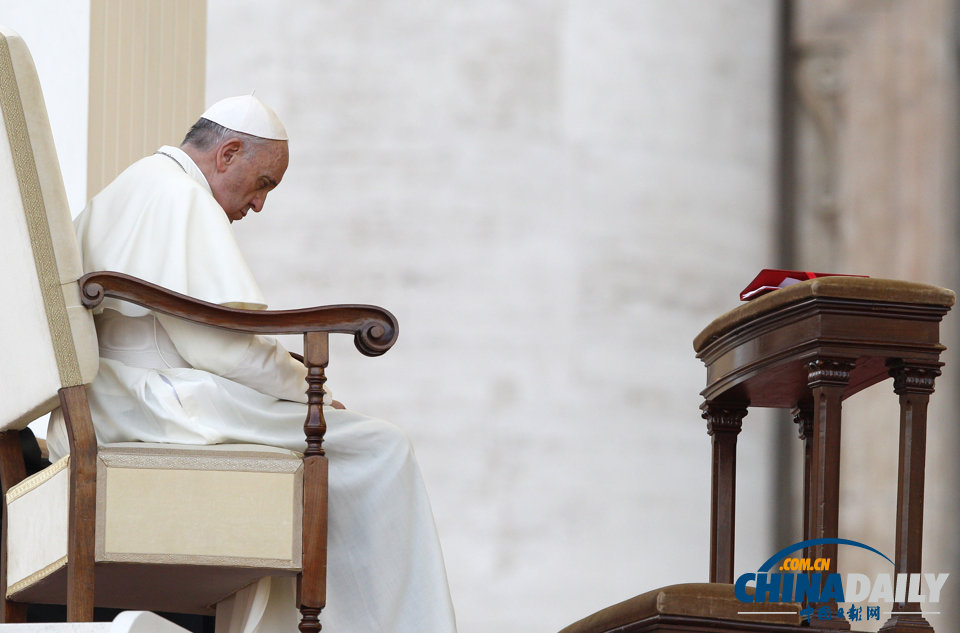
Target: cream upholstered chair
column 135, row 526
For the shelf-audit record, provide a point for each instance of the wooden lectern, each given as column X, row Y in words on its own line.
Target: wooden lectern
column 806, row 348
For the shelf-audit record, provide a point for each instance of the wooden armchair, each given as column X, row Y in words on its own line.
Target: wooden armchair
column 84, row 532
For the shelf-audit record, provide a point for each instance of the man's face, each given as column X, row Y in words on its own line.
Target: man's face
column 246, row 174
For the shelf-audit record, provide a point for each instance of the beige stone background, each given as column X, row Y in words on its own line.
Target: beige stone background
column 529, row 187
column 554, row 197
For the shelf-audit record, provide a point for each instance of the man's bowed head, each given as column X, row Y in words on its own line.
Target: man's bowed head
column 240, row 145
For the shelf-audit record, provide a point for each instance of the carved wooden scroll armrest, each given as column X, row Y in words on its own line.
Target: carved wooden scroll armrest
column 374, row 329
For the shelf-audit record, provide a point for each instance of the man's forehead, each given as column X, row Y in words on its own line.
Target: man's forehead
column 274, row 159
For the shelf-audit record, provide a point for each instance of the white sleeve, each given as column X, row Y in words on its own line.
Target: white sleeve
column 259, row 362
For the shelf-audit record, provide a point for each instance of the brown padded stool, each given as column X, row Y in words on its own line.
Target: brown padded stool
column 690, row 607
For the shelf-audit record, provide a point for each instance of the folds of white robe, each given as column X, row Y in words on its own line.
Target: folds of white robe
column 385, row 568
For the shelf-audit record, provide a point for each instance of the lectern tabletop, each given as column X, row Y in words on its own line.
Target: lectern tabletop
column 757, row 353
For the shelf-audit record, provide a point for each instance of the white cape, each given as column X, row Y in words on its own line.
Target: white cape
column 158, row 221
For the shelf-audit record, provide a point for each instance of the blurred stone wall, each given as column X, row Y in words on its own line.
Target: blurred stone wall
column 554, row 198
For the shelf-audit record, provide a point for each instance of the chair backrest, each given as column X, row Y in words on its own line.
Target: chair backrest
column 47, row 338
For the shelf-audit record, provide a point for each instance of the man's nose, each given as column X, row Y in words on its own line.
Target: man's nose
column 257, row 203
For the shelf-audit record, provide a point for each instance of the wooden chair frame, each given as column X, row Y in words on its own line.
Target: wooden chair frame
column 374, row 330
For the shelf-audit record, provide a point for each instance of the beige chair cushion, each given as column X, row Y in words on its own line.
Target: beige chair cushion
column 702, row 600
column 46, row 334
column 233, row 508
column 857, row 288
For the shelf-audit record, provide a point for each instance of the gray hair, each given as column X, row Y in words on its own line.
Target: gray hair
column 205, row 135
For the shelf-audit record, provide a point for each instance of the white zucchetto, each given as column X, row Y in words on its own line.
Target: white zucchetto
column 248, row 115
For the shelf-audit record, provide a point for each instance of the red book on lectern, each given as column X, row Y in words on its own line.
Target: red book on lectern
column 771, row 279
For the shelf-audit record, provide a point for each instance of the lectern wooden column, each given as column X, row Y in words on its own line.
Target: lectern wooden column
column 807, row 348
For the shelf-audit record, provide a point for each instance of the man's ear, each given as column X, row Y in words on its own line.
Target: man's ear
column 228, row 153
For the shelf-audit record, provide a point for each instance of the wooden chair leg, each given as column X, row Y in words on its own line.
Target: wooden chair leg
column 313, row 581
column 83, row 500
column 12, row 472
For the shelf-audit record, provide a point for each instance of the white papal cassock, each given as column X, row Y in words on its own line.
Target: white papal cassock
column 165, row 380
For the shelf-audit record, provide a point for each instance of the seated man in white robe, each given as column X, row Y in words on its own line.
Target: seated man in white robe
column 166, row 219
